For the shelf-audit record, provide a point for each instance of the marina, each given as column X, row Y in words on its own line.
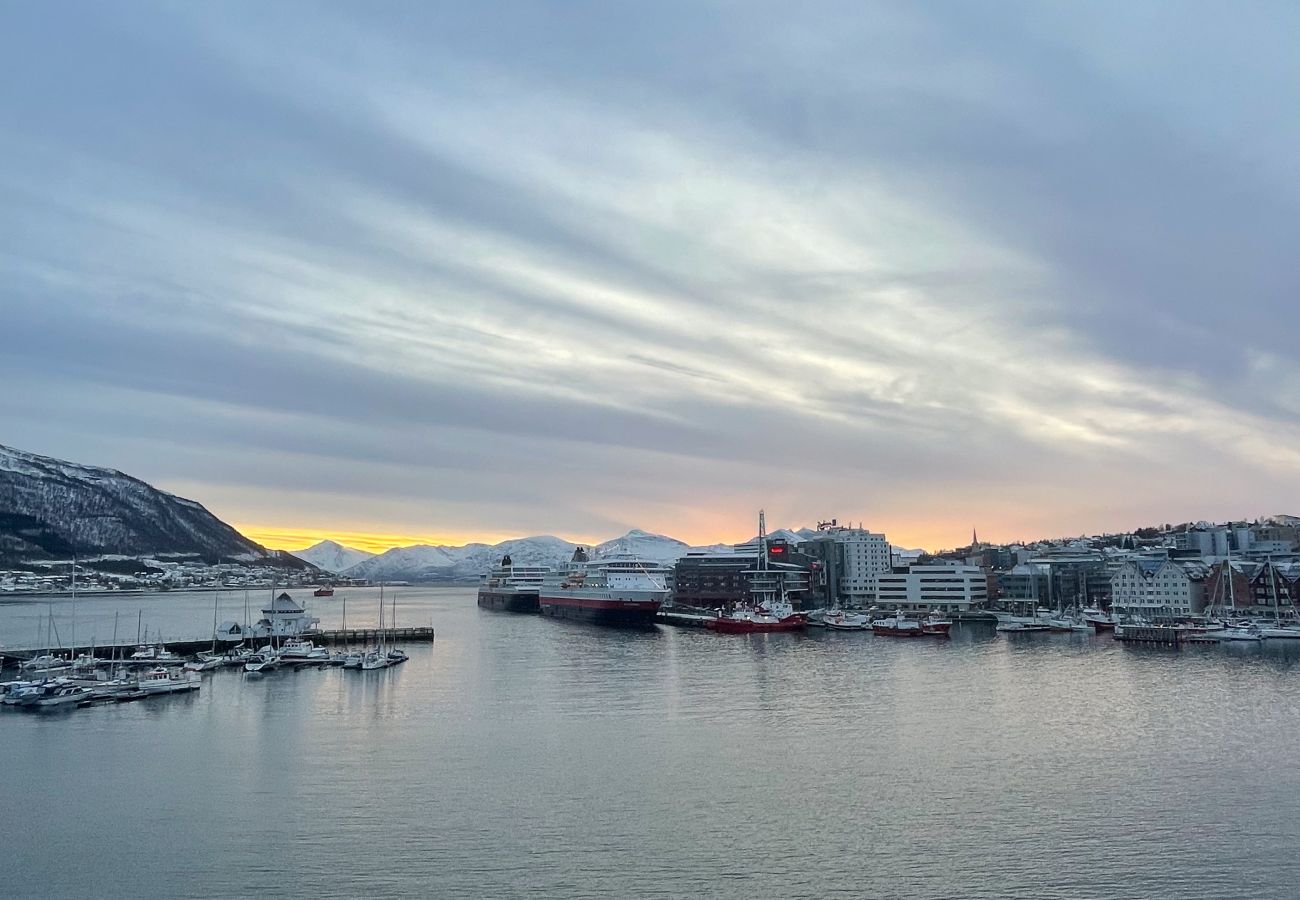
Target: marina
column 494, row 745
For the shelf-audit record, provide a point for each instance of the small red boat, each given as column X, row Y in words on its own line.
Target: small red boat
column 323, row 592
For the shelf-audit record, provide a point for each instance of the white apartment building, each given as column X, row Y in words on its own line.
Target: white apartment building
column 866, row 557
column 937, row 587
column 1158, row 588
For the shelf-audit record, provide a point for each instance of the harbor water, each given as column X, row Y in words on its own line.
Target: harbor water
column 518, row 756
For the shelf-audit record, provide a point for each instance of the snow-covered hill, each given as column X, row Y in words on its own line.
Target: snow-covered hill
column 51, row 507
column 467, row 563
column 332, row 556
column 644, row 545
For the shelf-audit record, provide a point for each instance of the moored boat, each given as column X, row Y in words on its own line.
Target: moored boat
column 897, row 625
column 842, row 621
column 160, row 680
column 263, row 661
column 751, row 620
column 936, row 625
column 56, row 693
column 619, row 591
column 512, row 588
column 46, row 662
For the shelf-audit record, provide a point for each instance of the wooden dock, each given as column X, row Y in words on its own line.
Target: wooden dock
column 1156, row 635
column 331, row 637
column 335, row 636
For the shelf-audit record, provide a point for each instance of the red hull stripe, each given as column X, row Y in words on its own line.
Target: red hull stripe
column 588, row 603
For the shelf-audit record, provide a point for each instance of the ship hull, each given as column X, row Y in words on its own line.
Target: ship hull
column 725, row 625
column 617, row 613
column 509, row 601
column 894, row 631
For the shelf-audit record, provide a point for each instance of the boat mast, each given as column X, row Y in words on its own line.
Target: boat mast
column 1272, row 583
column 113, row 656
column 73, row 639
column 215, row 601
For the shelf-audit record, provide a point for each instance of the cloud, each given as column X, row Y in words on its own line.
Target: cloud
column 428, row 271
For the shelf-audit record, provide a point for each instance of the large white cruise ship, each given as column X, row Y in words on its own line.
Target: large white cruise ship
column 617, row 590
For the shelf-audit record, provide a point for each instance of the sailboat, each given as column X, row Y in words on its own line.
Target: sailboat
column 1013, row 624
column 1278, row 631
column 211, row 659
column 395, row 655
column 376, row 658
column 1234, row 630
column 48, row 661
column 349, row 658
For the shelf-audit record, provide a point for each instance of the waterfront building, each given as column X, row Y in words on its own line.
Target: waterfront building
column 1159, row 588
column 945, row 588
column 1069, row 576
column 852, row 559
column 709, row 579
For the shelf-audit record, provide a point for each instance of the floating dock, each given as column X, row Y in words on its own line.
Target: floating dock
column 1162, row 635
column 684, row 616
column 330, row 637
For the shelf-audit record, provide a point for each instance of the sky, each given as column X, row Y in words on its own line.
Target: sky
column 438, row 272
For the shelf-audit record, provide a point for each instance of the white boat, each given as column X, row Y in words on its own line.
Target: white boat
column 203, row 665
column 1067, row 623
column 375, row 659
column 46, row 662
column 57, row 693
column 296, row 650
column 1240, row 632
column 13, row 692
column 396, row 656
column 168, row 681
column 352, row 659
column 1280, row 632
column 1016, row 626
column 262, row 662
column 154, row 654
column 842, row 621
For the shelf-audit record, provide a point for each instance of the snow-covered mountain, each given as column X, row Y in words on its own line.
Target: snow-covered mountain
column 51, row 507
column 644, row 545
column 467, row 563
column 425, row 562
column 332, row 556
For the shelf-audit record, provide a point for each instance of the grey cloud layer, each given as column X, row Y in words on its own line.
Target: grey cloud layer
column 529, row 268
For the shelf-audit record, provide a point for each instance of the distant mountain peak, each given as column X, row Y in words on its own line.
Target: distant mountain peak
column 332, row 556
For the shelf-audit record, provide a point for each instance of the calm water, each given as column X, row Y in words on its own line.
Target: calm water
column 518, row 756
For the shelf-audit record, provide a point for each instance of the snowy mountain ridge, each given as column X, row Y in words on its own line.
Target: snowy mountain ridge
column 53, row 507
column 442, row 563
